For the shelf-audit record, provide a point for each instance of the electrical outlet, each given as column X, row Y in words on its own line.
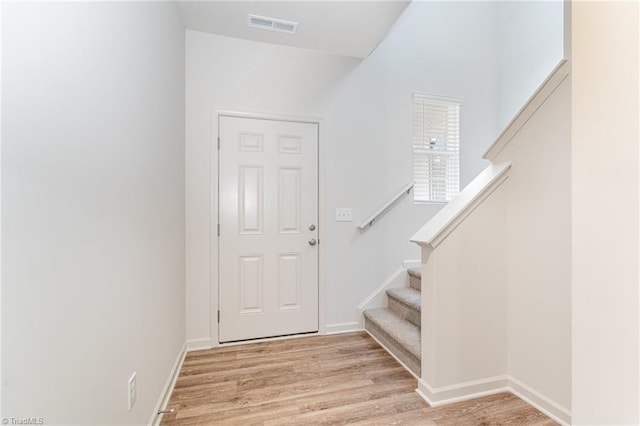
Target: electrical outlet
column 344, row 214
column 132, row 391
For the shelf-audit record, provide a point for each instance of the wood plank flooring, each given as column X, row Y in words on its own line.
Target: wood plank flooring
column 320, row 380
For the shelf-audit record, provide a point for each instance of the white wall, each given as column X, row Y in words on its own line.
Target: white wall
column 605, row 213
column 530, row 44
column 1, row 275
column 464, row 299
column 497, row 290
column 441, row 48
column 234, row 74
column 92, row 208
column 539, row 250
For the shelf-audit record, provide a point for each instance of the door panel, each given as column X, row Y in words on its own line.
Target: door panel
column 289, row 194
column 250, row 281
column 268, row 274
column 289, row 280
column 251, row 209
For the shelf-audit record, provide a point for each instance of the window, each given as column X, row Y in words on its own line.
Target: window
column 436, row 148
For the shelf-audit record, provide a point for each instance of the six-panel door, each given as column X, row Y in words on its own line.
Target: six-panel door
column 268, row 215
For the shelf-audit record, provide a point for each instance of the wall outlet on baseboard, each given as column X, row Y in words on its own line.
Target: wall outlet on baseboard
column 132, row 391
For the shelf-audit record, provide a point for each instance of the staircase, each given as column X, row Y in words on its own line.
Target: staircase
column 398, row 326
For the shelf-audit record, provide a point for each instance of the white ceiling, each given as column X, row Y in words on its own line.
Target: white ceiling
column 351, row 28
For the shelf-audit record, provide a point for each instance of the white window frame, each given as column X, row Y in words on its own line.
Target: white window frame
column 436, row 151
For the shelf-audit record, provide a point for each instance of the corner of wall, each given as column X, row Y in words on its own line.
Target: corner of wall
column 446, row 395
column 199, row 344
column 566, row 28
column 540, row 401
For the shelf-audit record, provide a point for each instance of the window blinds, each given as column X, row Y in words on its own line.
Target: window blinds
column 436, row 148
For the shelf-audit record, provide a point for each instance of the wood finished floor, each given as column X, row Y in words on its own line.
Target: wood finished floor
column 320, row 380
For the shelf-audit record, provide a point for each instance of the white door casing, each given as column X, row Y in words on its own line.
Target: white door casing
column 268, row 216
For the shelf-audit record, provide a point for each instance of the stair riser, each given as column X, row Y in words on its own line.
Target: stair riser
column 405, row 311
column 415, row 282
column 398, row 351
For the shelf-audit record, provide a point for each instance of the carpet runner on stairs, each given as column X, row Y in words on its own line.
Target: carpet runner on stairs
column 415, row 278
column 398, row 326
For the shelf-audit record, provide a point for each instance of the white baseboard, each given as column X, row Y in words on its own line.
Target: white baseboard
column 199, row 344
column 168, row 387
column 541, row 402
column 444, row 395
column 378, row 297
column 345, row 327
column 408, row 264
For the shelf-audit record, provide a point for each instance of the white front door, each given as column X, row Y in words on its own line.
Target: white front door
column 268, row 215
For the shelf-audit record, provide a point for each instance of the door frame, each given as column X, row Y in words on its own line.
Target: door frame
column 213, row 214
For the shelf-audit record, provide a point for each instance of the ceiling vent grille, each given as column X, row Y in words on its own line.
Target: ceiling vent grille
column 272, row 24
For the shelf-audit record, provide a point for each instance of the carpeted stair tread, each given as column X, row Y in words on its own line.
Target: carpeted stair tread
column 408, row 296
column 406, row 334
column 415, row 272
column 415, row 278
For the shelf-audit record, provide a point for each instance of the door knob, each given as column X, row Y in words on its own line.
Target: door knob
column 312, row 227
column 312, row 242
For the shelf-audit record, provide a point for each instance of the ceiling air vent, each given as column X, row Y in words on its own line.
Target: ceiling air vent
column 272, row 24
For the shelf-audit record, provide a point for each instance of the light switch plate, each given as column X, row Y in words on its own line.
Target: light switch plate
column 344, row 214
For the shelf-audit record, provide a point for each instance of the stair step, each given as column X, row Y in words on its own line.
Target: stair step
column 415, row 272
column 406, row 303
column 398, row 335
column 415, row 278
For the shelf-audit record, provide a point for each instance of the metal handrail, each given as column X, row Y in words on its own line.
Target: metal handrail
column 369, row 221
